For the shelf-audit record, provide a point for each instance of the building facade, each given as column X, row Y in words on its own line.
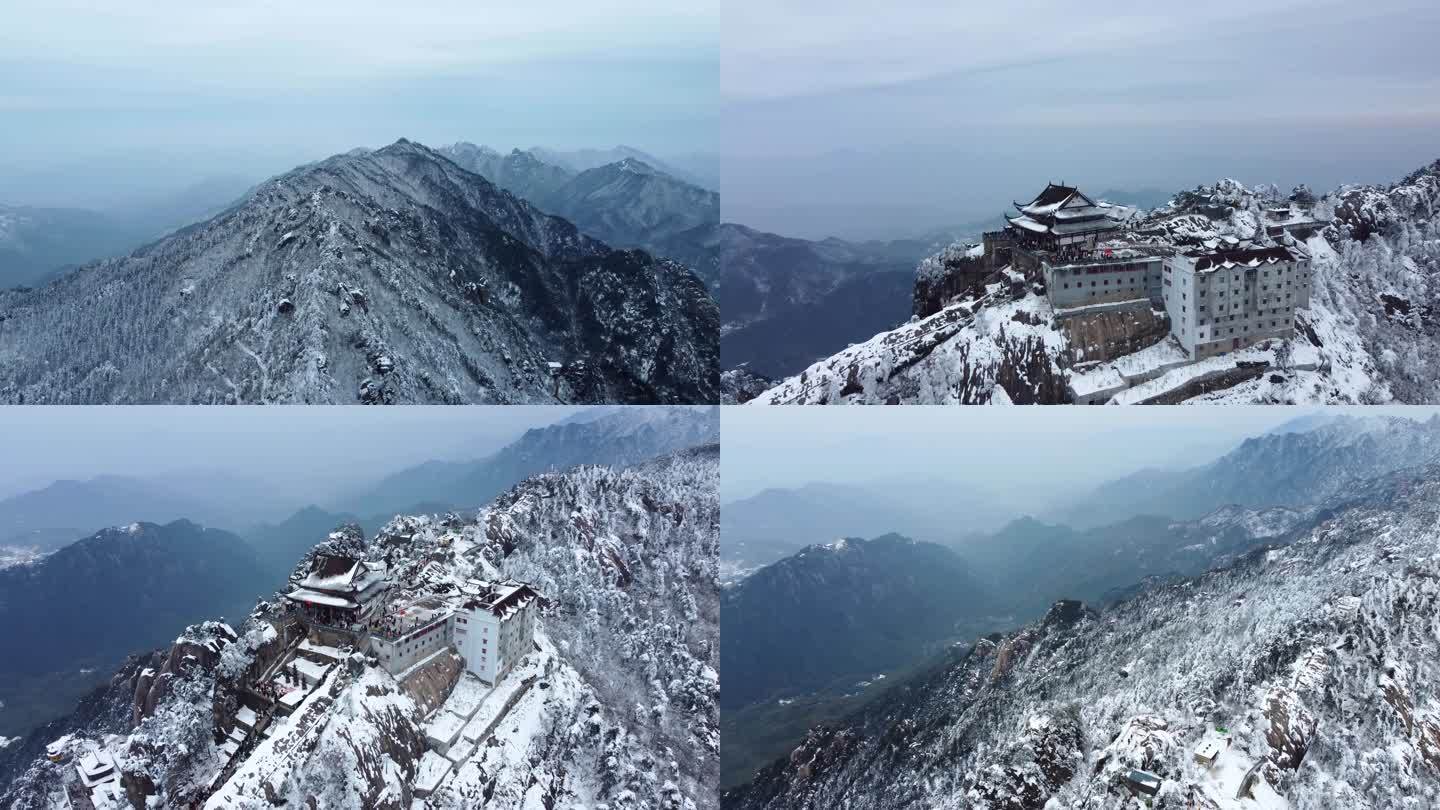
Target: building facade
column 491, row 626
column 1103, row 280
column 1221, row 301
column 402, row 648
column 496, row 628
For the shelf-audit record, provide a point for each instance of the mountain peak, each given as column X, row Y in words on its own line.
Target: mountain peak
column 392, row 276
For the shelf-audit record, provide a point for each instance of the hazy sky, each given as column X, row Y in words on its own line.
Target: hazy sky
column 842, row 119
column 314, row 452
column 1052, row 451
column 169, row 89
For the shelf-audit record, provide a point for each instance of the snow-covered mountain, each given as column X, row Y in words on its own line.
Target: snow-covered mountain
column 629, row 202
column 785, row 301
column 697, row 168
column 384, row 276
column 1277, row 469
column 67, row 618
column 1370, row 331
column 849, row 607
column 616, row 706
column 1309, row 664
column 618, row 438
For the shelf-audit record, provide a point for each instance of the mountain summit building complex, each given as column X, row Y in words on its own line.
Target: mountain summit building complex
column 1219, row 296
column 352, row 602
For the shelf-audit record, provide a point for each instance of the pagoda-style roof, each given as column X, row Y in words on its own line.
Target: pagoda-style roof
column 1049, row 202
column 96, row 767
column 340, row 582
column 321, row 598
column 1062, row 210
column 338, row 574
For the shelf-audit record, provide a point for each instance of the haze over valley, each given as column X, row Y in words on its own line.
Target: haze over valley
column 839, row 640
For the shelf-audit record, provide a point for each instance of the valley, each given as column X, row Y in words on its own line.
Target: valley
column 1078, row 656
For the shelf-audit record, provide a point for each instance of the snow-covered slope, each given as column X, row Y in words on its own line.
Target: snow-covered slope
column 1370, row 333
column 384, row 276
column 1313, row 662
column 617, row 706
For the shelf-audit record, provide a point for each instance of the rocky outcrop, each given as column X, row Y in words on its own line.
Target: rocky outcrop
column 431, row 684
column 1292, row 728
column 197, row 649
column 740, row 385
column 1104, row 336
column 951, row 275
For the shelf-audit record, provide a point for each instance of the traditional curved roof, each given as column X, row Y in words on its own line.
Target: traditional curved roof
column 1052, row 199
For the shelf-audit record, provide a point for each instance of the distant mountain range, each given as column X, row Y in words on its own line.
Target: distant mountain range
column 620, row 437
column 39, row 243
column 696, row 168
column 629, row 202
column 786, row 302
column 853, row 607
column 777, row 522
column 1303, row 659
column 391, row 276
column 1278, row 469
column 64, row 511
column 122, row 589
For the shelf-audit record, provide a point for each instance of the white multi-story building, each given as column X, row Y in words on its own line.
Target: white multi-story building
column 496, row 628
column 1220, row 301
column 491, row 625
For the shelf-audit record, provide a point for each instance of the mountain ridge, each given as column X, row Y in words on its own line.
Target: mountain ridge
column 385, row 276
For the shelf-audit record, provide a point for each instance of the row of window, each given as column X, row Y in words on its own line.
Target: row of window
column 1080, row 285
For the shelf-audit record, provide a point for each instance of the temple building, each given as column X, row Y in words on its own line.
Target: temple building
column 1061, row 219
column 340, row 592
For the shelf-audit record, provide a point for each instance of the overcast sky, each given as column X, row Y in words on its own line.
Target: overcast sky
column 842, row 119
column 171, row 89
column 1053, row 452
column 314, row 452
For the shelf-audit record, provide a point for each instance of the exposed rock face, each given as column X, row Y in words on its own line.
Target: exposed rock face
column 1102, row 336
column 739, row 386
column 1292, row 728
column 199, row 647
column 391, row 276
column 950, row 275
column 431, row 684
